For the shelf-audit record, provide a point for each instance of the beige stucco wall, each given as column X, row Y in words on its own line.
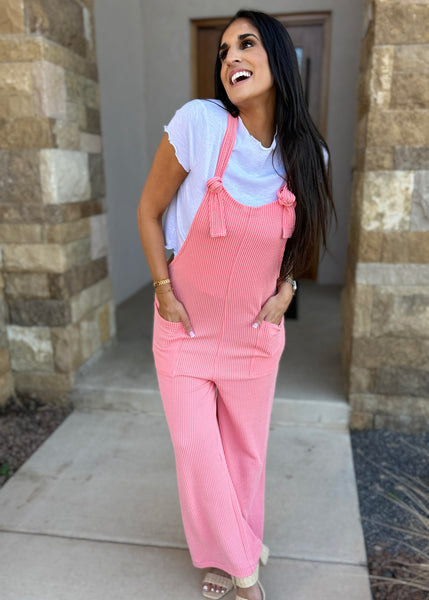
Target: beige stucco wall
column 167, row 76
column 119, row 28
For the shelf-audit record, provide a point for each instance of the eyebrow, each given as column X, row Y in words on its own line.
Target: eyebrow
column 240, row 37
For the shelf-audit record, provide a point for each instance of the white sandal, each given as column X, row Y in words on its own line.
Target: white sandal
column 265, row 552
column 260, row 587
column 211, row 579
column 246, row 582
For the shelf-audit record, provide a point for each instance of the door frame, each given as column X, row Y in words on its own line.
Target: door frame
column 323, row 18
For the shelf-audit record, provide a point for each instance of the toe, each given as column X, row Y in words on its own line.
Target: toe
column 214, row 588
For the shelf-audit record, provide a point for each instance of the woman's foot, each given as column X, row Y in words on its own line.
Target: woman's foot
column 211, row 586
column 251, row 593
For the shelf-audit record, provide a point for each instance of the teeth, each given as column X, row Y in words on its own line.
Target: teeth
column 240, row 74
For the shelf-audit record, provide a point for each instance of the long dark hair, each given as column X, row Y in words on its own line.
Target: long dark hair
column 300, row 143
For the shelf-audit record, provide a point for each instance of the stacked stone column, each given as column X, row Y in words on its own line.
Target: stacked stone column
column 56, row 295
column 386, row 298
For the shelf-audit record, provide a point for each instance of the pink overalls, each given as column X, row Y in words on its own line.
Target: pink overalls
column 217, row 388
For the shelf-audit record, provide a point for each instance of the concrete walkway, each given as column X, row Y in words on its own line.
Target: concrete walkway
column 94, row 513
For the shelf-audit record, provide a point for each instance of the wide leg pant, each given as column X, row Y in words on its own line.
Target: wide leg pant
column 219, row 433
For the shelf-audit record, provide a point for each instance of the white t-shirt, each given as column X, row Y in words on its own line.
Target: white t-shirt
column 253, row 174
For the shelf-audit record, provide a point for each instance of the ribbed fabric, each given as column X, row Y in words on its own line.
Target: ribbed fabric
column 217, row 388
column 219, row 433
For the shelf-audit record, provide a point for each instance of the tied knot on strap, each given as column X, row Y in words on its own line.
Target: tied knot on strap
column 287, row 200
column 215, row 184
column 216, row 207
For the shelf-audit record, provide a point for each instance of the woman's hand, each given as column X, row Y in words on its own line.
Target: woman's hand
column 172, row 310
column 275, row 307
column 165, row 177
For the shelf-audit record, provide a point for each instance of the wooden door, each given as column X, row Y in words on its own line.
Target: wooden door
column 310, row 34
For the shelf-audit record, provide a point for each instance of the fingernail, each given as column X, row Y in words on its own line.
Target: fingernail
column 191, row 334
column 255, row 325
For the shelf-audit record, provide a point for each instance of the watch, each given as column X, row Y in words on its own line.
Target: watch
column 292, row 282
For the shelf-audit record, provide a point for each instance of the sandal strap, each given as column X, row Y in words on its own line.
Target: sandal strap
column 216, row 579
column 262, row 592
column 265, row 552
column 245, row 582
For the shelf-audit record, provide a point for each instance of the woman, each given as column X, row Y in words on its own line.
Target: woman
column 240, row 175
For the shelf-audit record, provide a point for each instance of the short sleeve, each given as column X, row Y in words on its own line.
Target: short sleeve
column 181, row 131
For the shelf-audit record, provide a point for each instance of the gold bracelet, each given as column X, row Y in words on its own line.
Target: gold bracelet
column 160, row 282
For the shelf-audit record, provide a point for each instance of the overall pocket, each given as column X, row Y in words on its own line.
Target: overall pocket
column 166, row 342
column 268, row 347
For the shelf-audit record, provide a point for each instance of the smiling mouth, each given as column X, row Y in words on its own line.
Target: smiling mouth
column 240, row 76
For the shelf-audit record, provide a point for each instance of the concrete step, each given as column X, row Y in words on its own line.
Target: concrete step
column 108, row 463
column 95, row 513
column 286, row 411
column 52, row 568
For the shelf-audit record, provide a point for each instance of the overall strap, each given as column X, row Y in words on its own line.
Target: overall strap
column 215, row 187
column 287, row 200
column 227, row 145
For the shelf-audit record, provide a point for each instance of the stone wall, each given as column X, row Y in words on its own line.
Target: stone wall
column 58, row 307
column 6, row 377
column 385, row 301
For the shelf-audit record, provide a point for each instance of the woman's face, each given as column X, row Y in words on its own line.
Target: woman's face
column 245, row 72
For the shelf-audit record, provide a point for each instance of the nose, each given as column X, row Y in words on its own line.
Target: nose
column 232, row 56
